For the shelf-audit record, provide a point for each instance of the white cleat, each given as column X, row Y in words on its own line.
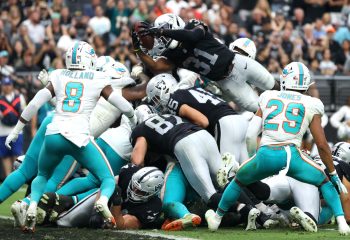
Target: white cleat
column 101, row 206
column 253, row 214
column 30, row 220
column 213, row 220
column 18, row 211
column 343, row 227
column 228, row 170
column 304, row 220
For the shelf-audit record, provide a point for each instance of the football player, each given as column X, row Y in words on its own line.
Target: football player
column 283, row 117
column 171, row 135
column 227, row 127
column 77, row 90
column 134, row 204
column 192, row 46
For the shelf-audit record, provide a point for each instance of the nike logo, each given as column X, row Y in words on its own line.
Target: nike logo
column 245, row 66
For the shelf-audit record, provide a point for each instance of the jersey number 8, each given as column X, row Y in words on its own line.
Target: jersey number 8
column 294, row 113
column 74, row 91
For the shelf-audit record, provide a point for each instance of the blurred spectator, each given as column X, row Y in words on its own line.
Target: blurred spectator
column 337, row 52
column 341, row 121
column 28, row 63
column 119, row 15
column 231, row 34
column 99, row 45
column 273, row 66
column 318, row 31
column 67, row 39
column 15, row 17
column 17, row 55
column 100, row 24
column 298, row 19
column 22, row 35
column 36, row 31
column 11, row 106
column 287, row 44
column 65, row 17
column 45, row 18
column 54, row 31
column 278, row 22
column 346, row 52
column 159, row 9
column 141, row 13
column 176, row 5
column 46, row 54
column 57, row 5
column 5, row 69
column 327, row 66
column 314, row 9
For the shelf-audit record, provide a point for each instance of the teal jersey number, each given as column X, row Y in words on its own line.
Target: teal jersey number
column 274, row 113
column 294, row 113
column 74, row 91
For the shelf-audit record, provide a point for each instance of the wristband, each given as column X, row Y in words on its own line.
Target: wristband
column 333, row 173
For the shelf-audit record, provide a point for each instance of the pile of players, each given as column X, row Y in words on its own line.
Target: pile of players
column 183, row 151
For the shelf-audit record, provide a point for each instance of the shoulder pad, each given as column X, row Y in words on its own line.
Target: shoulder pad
column 194, row 23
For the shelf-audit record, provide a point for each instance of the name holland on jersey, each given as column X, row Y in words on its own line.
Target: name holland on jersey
column 78, row 74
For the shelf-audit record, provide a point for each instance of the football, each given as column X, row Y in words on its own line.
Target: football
column 146, row 41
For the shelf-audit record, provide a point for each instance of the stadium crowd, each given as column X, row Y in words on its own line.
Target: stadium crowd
column 35, row 34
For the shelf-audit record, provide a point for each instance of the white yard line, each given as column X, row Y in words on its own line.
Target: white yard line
column 153, row 234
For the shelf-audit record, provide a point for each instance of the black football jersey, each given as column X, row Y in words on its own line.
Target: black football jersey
column 146, row 212
column 205, row 102
column 343, row 168
column 207, row 57
column 162, row 132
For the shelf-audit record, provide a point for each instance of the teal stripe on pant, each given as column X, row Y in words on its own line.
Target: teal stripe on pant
column 174, row 192
column 55, row 147
column 29, row 166
column 79, row 185
column 268, row 161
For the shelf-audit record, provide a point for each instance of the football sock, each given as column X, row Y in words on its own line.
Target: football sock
column 81, row 196
column 229, row 197
column 175, row 210
column 325, row 215
column 11, row 184
column 77, row 185
column 332, row 198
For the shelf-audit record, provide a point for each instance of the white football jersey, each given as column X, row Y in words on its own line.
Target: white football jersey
column 286, row 116
column 77, row 93
column 119, row 140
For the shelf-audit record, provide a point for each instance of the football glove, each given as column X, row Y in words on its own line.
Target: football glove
column 336, row 181
column 43, row 77
column 135, row 41
column 147, row 29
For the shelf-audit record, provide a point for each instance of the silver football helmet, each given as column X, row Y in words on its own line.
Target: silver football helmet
column 169, row 21
column 145, row 183
column 342, row 150
column 158, row 90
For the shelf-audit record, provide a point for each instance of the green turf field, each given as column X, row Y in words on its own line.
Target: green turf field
column 7, row 231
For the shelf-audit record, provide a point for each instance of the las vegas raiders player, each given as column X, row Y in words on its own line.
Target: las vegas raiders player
column 228, row 128
column 194, row 148
column 135, row 202
column 192, row 46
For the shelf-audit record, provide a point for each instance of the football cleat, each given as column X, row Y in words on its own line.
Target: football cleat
column 228, row 170
column 101, row 206
column 343, row 227
column 189, row 220
column 30, row 220
column 18, row 210
column 213, row 220
column 252, row 216
column 304, row 220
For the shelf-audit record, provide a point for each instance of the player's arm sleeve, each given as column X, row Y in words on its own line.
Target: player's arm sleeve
column 43, row 96
column 120, row 102
column 337, row 117
column 185, row 35
column 254, row 129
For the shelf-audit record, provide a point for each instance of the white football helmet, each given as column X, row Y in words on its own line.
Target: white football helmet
column 169, row 21
column 244, row 46
column 342, row 150
column 158, row 49
column 295, row 76
column 144, row 112
column 103, row 60
column 119, row 74
column 81, row 56
column 158, row 90
column 144, row 184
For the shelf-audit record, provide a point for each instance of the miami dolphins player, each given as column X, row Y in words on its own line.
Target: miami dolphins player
column 77, row 90
column 283, row 117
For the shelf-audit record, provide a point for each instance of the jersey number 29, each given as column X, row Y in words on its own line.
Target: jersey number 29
column 74, row 91
column 294, row 113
